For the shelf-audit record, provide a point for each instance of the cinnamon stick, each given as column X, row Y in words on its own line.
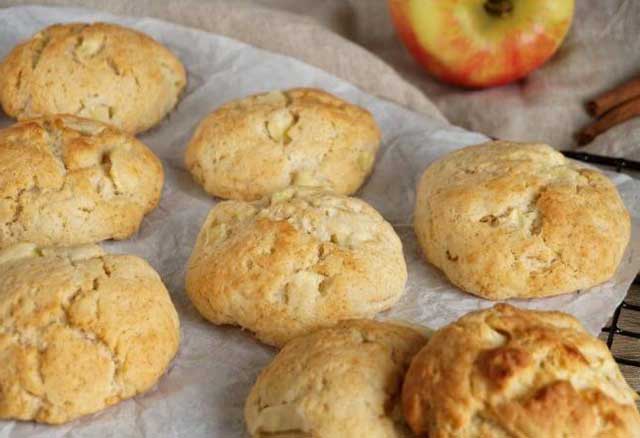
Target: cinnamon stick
column 613, row 98
column 622, row 113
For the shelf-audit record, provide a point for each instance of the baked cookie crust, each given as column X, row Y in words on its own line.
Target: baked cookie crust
column 294, row 262
column 516, row 220
column 343, row 381
column 506, row 372
column 68, row 181
column 99, row 71
column 80, row 330
column 252, row 147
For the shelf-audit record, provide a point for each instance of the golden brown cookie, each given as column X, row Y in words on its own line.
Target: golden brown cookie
column 80, row 330
column 99, row 71
column 507, row 219
column 511, row 373
column 258, row 145
column 343, row 381
column 67, row 181
column 296, row 261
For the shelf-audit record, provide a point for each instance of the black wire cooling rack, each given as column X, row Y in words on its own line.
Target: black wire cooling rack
column 626, row 308
column 614, row 330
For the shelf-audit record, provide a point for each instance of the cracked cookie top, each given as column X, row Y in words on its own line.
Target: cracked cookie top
column 343, row 381
column 79, row 330
column 258, row 145
column 507, row 219
column 99, row 71
column 507, row 372
column 293, row 262
column 67, row 181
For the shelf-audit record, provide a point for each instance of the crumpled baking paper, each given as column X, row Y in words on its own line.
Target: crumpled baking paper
column 203, row 392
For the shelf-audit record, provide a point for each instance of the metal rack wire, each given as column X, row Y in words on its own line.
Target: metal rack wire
column 614, row 329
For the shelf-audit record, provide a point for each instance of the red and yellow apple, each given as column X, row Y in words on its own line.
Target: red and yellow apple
column 481, row 43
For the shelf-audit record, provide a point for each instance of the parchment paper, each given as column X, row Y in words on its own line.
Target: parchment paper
column 203, row 393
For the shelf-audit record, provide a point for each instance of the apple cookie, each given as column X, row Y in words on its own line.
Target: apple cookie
column 293, row 262
column 255, row 146
column 507, row 220
column 80, row 330
column 98, row 71
column 68, row 181
column 343, row 381
column 506, row 372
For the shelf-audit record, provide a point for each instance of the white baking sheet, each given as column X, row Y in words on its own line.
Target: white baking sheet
column 203, row 393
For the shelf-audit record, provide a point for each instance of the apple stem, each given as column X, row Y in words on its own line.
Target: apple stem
column 498, row 8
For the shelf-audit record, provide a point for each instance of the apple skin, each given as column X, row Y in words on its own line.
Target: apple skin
column 460, row 42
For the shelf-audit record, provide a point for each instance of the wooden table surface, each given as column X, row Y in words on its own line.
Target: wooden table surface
column 629, row 348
